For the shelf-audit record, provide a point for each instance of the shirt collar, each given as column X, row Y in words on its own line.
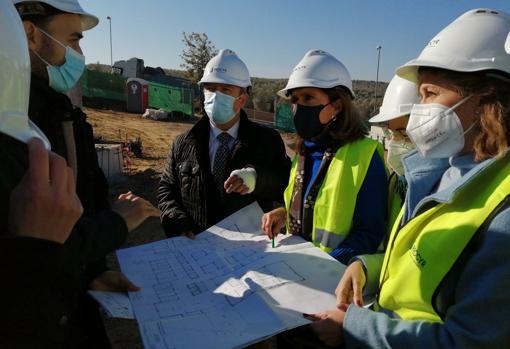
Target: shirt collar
column 233, row 131
column 422, row 174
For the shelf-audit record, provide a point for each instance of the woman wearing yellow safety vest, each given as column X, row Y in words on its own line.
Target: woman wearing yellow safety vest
column 444, row 281
column 337, row 190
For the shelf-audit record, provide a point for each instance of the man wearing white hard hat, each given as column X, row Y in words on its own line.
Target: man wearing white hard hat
column 444, row 281
column 40, row 210
column 53, row 31
column 393, row 115
column 225, row 161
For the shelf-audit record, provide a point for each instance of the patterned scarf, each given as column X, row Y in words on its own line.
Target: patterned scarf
column 301, row 215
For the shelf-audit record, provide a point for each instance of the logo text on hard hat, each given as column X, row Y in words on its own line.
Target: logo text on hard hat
column 301, row 67
column 433, row 43
column 219, row 70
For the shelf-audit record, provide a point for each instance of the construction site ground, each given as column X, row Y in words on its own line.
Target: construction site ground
column 141, row 177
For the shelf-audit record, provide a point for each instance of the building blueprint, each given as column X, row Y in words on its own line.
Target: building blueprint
column 115, row 304
column 228, row 287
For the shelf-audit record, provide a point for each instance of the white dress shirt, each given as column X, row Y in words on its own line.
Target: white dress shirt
column 214, row 143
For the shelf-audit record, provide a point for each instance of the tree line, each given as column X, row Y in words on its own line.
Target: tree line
column 198, row 50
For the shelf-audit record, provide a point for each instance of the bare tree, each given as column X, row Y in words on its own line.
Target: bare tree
column 197, row 52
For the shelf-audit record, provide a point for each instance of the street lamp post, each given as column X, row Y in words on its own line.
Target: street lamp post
column 378, row 48
column 111, row 44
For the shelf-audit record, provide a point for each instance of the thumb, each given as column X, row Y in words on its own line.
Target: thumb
column 342, row 294
column 312, row 317
column 126, row 284
column 358, row 298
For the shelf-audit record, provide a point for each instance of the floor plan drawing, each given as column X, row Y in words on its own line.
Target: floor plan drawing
column 226, row 288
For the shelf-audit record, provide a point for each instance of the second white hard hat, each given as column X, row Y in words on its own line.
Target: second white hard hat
column 29, row 7
column 398, row 100
column 15, row 77
column 476, row 41
column 318, row 69
column 226, row 68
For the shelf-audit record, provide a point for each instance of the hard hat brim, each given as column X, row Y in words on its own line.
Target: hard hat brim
column 409, row 71
column 216, row 80
column 383, row 117
column 283, row 93
column 88, row 21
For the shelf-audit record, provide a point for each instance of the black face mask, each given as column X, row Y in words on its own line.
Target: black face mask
column 307, row 122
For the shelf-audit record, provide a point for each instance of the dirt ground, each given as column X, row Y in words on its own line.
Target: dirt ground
column 142, row 178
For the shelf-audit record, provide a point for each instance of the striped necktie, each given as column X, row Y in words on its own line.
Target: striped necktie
column 221, row 161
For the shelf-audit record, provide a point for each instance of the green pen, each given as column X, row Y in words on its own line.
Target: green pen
column 273, row 241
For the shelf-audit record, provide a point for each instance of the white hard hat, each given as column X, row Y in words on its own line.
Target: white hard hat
column 318, row 69
column 478, row 40
column 226, row 68
column 15, row 77
column 30, row 7
column 398, row 100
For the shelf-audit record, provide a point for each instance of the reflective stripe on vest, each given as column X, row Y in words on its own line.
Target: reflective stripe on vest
column 394, row 202
column 336, row 200
column 422, row 252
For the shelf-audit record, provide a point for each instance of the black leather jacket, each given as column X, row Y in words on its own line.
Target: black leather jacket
column 188, row 198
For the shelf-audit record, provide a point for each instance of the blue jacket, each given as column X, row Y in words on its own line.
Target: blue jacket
column 371, row 206
column 477, row 295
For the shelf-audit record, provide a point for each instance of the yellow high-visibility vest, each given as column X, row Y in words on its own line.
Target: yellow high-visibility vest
column 395, row 201
column 336, row 199
column 421, row 253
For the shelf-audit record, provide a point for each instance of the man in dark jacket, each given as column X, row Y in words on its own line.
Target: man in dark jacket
column 43, row 210
column 54, row 29
column 225, row 161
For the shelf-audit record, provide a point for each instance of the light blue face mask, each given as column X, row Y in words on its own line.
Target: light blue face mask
column 219, row 107
column 64, row 77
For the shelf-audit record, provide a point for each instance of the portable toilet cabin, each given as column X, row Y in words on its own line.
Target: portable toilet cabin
column 137, row 95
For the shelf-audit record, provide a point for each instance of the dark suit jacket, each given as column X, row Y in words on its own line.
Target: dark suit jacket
column 188, row 198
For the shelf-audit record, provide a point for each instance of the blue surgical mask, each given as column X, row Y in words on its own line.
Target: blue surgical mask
column 64, row 77
column 219, row 107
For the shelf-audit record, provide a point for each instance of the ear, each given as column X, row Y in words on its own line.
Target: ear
column 33, row 35
column 477, row 99
column 337, row 105
column 243, row 99
column 477, row 105
column 333, row 109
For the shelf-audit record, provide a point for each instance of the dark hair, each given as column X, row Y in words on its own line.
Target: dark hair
column 37, row 12
column 493, row 87
column 246, row 90
column 346, row 127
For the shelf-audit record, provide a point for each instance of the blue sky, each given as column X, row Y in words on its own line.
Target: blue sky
column 272, row 36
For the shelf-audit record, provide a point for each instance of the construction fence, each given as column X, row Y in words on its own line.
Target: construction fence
column 170, row 99
column 284, row 118
column 102, row 86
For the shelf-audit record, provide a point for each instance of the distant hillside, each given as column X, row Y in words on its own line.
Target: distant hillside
column 264, row 91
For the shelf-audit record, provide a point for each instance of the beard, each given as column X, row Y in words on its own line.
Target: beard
column 47, row 52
